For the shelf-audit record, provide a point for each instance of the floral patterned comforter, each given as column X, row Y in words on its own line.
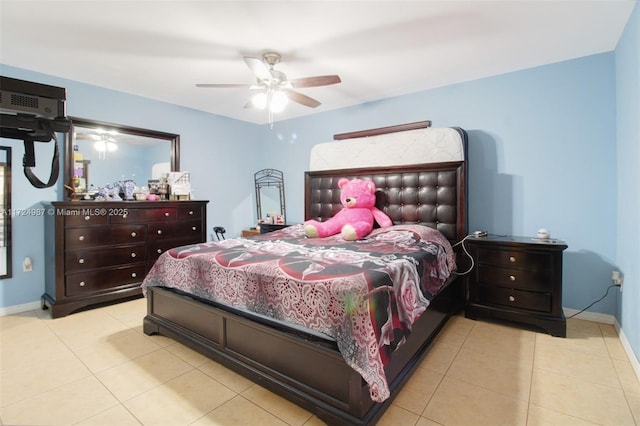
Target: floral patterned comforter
column 365, row 294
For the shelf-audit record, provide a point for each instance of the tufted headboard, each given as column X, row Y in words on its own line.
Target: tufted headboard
column 432, row 192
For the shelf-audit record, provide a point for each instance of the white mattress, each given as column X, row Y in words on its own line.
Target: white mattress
column 430, row 145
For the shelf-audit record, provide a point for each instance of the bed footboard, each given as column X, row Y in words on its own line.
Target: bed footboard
column 283, row 362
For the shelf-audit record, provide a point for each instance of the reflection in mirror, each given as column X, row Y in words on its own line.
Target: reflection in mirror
column 270, row 194
column 5, row 212
column 99, row 153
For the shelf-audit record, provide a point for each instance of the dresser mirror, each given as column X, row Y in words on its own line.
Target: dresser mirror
column 270, row 193
column 6, row 212
column 99, row 153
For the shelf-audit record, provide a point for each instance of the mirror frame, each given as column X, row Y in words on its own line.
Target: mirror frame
column 269, row 178
column 6, row 214
column 69, row 141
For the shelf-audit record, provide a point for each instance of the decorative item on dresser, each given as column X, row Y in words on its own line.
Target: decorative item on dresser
column 517, row 279
column 101, row 251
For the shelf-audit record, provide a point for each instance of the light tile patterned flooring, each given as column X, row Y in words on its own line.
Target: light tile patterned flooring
column 98, row 368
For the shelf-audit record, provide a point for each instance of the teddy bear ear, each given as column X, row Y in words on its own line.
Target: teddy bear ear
column 343, row 182
column 371, row 186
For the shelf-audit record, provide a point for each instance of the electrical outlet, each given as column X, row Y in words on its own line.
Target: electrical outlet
column 27, row 265
column 617, row 279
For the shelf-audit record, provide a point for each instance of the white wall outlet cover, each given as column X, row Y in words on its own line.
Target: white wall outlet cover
column 27, row 265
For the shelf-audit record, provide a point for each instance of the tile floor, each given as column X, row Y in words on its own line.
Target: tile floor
column 98, row 368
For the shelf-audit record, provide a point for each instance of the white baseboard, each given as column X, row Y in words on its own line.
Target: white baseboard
column 590, row 316
column 16, row 309
column 628, row 349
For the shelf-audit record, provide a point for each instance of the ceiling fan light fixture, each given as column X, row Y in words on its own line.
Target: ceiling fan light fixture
column 259, row 100
column 279, row 101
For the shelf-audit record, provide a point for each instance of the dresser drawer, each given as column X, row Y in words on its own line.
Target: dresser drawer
column 135, row 215
column 104, row 279
column 514, row 258
column 84, row 217
column 535, row 279
column 154, row 250
column 79, row 260
column 104, row 235
column 187, row 213
column 519, row 299
column 175, row 231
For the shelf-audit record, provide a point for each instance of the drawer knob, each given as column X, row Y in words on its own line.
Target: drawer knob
column 81, row 237
column 512, row 259
column 512, row 277
column 512, row 299
column 133, row 234
column 87, row 218
column 133, row 255
column 82, row 283
column 80, row 261
column 133, row 275
column 193, row 228
column 166, row 214
column 190, row 212
column 124, row 216
column 159, row 251
column 159, row 231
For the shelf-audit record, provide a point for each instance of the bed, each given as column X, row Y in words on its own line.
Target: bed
column 276, row 307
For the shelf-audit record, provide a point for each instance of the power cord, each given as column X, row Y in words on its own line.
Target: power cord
column 605, row 295
column 464, row 248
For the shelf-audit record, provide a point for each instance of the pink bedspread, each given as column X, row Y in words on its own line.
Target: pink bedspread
column 365, row 294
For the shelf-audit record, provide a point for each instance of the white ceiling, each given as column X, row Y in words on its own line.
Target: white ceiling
column 380, row 49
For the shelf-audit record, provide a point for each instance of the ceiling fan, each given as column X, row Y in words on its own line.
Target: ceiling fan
column 275, row 88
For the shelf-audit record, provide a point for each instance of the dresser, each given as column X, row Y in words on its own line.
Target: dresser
column 99, row 252
column 517, row 279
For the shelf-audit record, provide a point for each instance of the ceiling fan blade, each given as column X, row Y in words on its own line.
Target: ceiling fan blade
column 224, row 86
column 321, row 80
column 259, row 68
column 302, row 99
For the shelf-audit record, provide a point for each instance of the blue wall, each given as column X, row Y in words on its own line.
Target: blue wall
column 628, row 174
column 214, row 149
column 542, row 151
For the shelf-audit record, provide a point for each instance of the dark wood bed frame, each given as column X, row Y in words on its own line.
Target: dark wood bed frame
column 304, row 369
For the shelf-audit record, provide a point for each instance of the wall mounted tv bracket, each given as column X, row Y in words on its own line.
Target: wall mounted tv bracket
column 33, row 112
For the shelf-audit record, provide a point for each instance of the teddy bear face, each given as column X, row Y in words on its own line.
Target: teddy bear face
column 357, row 193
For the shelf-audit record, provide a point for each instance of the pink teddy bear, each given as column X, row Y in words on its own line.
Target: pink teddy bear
column 355, row 220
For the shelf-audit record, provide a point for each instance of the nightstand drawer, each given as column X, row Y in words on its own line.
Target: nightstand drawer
column 539, row 279
column 514, row 258
column 515, row 298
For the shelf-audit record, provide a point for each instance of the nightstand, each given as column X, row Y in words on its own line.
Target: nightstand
column 517, row 279
column 249, row 233
column 265, row 228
